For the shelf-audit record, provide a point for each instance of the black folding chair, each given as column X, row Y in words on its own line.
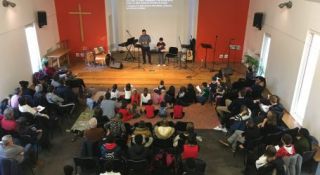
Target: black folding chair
column 135, row 167
column 173, row 53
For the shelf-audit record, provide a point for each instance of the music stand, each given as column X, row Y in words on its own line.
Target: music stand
column 206, row 46
column 138, row 46
column 228, row 70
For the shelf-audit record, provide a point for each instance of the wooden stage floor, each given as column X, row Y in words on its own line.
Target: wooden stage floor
column 149, row 75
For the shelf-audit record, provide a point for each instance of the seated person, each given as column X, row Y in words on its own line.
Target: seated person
column 177, row 111
column 109, row 149
column 155, row 96
column 127, row 93
column 302, row 142
column 150, row 110
column 135, row 97
column 145, row 97
column 287, row 149
column 258, row 87
column 4, row 105
column 203, row 94
column 39, row 98
column 101, row 120
column 142, row 129
column 163, row 134
column 10, row 150
column 50, row 71
column 245, row 137
column 8, row 123
column 138, row 151
column 110, row 169
column 14, row 103
column 268, row 162
column 181, row 138
column 182, row 96
column 191, row 96
column 238, row 122
column 24, row 107
column 90, row 102
column 163, row 110
column 269, row 126
column 116, row 127
column 52, row 97
column 108, row 106
column 161, row 86
column 65, row 92
column 190, row 148
column 25, row 90
column 274, row 106
column 114, row 92
column 93, row 134
column 170, row 96
column 126, row 116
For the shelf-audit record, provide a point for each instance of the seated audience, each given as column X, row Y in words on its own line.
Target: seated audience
column 10, row 150
column 150, row 110
column 39, row 98
column 24, row 107
column 14, row 103
column 268, row 162
column 181, row 138
column 98, row 114
column 155, row 96
column 114, row 92
column 90, row 102
column 52, row 97
column 238, row 122
column 138, row 151
column 161, row 86
column 126, row 116
column 109, row 168
column 203, row 94
column 302, row 142
column 258, row 87
column 109, row 149
column 116, row 127
column 163, row 110
column 190, row 148
column 170, row 96
column 288, row 148
column 50, row 71
column 65, row 92
column 163, row 134
column 93, row 134
column 108, row 106
column 135, row 97
column 4, row 105
column 127, row 93
column 245, row 137
column 191, row 96
column 25, row 90
column 177, row 111
column 269, row 126
column 8, row 123
column 142, row 129
column 145, row 97
column 182, row 96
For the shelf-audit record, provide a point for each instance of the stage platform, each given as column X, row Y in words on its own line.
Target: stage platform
column 148, row 75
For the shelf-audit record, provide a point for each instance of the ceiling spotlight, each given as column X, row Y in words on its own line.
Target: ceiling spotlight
column 7, row 3
column 286, row 4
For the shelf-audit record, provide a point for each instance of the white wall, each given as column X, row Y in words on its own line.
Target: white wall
column 169, row 23
column 288, row 29
column 14, row 57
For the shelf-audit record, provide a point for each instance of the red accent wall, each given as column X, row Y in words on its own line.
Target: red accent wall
column 94, row 25
column 223, row 18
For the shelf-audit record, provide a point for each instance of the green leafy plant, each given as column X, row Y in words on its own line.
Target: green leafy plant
column 253, row 62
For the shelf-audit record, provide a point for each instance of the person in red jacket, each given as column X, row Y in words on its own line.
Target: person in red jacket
column 126, row 116
column 177, row 111
column 190, row 148
column 288, row 148
column 150, row 110
column 135, row 97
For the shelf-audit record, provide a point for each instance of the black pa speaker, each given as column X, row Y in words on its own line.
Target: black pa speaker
column 42, row 18
column 257, row 20
column 116, row 65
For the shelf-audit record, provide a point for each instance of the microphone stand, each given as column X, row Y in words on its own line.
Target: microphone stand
column 214, row 53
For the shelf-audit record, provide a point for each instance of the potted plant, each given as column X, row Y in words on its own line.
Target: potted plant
column 253, row 62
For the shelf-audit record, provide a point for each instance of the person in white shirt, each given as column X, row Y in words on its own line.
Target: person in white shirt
column 24, row 107
column 114, row 92
column 145, row 97
column 268, row 162
column 127, row 92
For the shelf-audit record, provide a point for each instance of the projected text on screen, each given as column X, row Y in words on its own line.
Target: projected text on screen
column 144, row 4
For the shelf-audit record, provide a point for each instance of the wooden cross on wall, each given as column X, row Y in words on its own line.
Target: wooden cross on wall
column 80, row 13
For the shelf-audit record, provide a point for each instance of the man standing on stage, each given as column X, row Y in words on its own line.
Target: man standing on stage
column 144, row 40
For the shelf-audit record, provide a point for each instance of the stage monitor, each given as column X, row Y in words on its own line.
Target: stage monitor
column 257, row 20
